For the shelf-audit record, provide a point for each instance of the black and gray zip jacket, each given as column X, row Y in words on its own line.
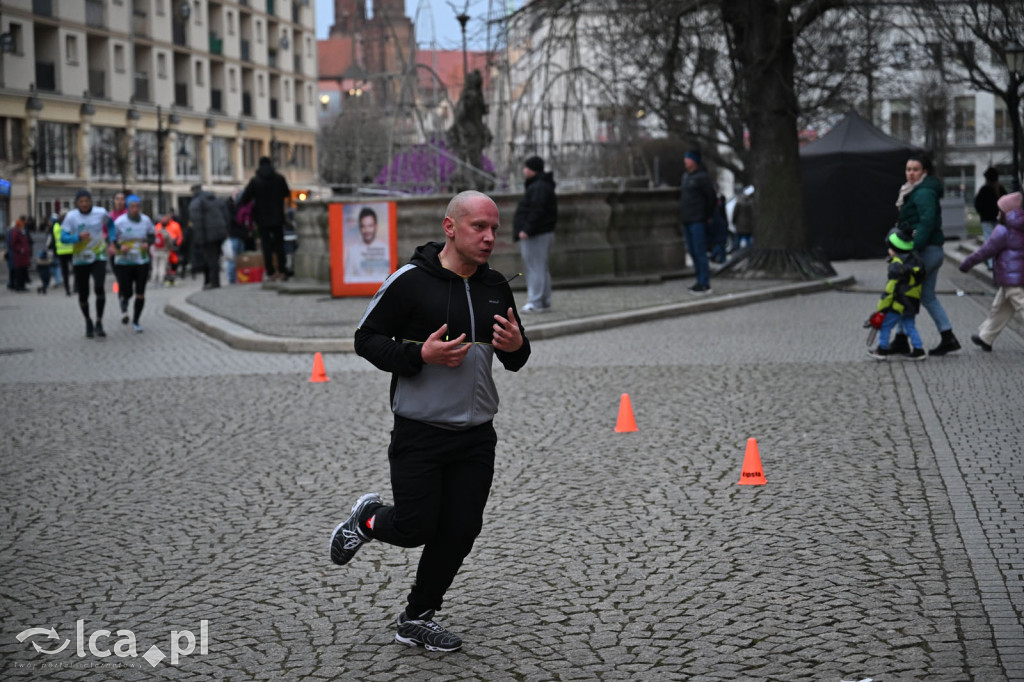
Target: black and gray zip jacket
column 411, row 305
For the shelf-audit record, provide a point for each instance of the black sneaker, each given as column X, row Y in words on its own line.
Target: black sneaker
column 880, row 353
column 99, row 330
column 348, row 537
column 976, row 340
column 89, row 333
column 424, row 632
column 700, row 289
column 124, row 317
column 916, row 354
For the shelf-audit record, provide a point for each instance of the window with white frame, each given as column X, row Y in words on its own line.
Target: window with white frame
column 108, row 158
column 187, row 165
column 222, row 156
column 963, row 120
column 899, row 119
column 71, row 48
column 146, row 155
column 56, row 148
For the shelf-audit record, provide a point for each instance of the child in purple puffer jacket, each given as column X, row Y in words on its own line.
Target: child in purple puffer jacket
column 1006, row 246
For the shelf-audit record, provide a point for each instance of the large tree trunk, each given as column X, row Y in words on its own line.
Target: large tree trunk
column 763, row 40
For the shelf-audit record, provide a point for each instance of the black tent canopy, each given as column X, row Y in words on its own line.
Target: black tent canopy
column 851, row 177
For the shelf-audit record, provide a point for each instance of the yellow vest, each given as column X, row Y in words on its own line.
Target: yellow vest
column 62, row 248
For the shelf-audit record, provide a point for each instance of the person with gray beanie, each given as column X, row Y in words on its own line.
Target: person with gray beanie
column 534, row 230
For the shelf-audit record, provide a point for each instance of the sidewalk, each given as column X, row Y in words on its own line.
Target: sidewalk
column 302, row 317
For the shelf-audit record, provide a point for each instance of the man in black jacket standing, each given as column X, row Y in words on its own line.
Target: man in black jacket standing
column 436, row 325
column 534, row 228
column 269, row 190
column 696, row 206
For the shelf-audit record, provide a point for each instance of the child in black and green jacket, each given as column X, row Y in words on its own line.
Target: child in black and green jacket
column 902, row 298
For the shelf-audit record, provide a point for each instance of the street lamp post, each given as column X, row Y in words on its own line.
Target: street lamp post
column 161, row 137
column 463, row 18
column 1015, row 62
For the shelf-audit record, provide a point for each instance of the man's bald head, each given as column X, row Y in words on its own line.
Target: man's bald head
column 458, row 205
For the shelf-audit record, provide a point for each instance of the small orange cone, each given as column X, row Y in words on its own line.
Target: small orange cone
column 626, row 423
column 319, row 375
column 116, row 288
column 752, row 472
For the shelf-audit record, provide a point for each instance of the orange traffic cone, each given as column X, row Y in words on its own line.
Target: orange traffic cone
column 626, row 423
column 116, row 288
column 319, row 375
column 752, row 472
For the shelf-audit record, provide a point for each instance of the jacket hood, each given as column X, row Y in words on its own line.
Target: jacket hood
column 543, row 176
column 1015, row 220
column 266, row 170
column 427, row 257
column 933, row 183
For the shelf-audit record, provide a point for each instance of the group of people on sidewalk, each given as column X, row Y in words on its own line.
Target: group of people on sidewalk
column 916, row 254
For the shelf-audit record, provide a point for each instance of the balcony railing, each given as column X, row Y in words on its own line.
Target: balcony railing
column 140, row 24
column 94, row 14
column 297, row 63
column 181, row 94
column 178, row 33
column 270, row 7
column 273, row 107
column 97, row 83
column 298, row 113
column 216, row 45
column 245, row 50
column 295, row 12
column 46, row 76
column 142, row 87
column 216, row 100
column 246, row 104
column 43, row 8
column 272, row 60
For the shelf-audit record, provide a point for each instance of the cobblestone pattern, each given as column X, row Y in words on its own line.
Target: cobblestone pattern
column 164, row 479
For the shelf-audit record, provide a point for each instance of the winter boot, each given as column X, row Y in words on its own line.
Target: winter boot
column 900, row 344
column 948, row 344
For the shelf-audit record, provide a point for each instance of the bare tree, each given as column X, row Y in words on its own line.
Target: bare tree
column 994, row 25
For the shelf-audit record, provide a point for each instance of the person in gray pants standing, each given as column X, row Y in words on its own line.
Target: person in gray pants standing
column 534, row 229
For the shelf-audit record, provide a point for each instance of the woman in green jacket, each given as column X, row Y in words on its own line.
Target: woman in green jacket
column 920, row 212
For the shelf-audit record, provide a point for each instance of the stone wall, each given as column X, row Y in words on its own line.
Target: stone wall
column 600, row 234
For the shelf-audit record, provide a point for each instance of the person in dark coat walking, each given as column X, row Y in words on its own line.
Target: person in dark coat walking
column 268, row 190
column 697, row 201
column 986, row 206
column 210, row 220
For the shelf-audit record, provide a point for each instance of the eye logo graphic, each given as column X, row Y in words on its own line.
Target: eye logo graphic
column 50, row 634
column 183, row 643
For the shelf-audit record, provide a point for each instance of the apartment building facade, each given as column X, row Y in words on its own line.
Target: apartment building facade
column 152, row 97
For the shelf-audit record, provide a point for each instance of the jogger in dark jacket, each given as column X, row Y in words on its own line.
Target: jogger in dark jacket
column 436, row 324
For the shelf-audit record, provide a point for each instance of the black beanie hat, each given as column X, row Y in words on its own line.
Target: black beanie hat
column 82, row 193
column 535, row 163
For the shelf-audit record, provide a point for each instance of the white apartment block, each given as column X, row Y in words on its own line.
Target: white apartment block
column 152, row 97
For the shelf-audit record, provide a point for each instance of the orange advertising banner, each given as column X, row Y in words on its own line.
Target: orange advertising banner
column 363, row 243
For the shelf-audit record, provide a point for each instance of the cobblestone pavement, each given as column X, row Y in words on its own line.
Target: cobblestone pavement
column 153, row 482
